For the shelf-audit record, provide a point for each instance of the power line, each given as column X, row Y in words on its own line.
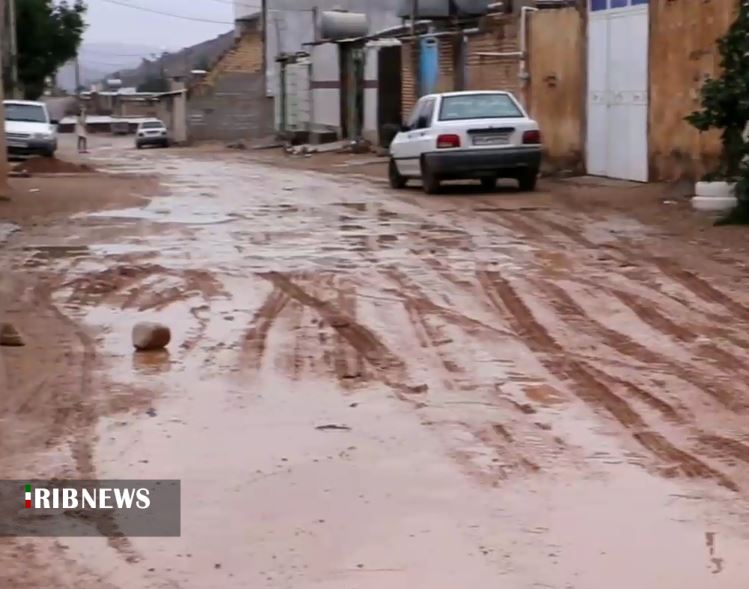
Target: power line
column 231, row 2
column 258, row 7
column 181, row 16
column 85, row 51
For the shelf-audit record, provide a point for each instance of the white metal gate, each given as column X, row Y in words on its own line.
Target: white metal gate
column 617, row 137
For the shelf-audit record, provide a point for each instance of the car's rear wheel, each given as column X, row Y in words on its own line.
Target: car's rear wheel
column 429, row 180
column 397, row 181
column 488, row 183
column 527, row 180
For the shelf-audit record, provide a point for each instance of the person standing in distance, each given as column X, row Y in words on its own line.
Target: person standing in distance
column 81, row 133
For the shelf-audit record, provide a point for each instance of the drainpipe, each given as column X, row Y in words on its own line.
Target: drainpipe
column 523, row 69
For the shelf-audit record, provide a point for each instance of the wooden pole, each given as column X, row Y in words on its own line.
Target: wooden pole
column 415, row 49
column 4, row 190
column 13, row 46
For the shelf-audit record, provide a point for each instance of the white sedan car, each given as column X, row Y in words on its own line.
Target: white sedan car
column 151, row 132
column 466, row 135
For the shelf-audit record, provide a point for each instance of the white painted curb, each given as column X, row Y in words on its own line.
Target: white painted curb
column 719, row 189
column 713, row 203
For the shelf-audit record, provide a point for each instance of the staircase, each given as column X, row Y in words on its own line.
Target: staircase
column 244, row 57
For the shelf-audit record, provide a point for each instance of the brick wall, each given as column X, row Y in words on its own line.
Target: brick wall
column 231, row 102
column 446, row 79
column 245, row 57
column 408, row 81
column 494, row 73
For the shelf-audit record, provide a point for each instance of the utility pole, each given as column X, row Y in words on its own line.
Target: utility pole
column 13, row 46
column 3, row 149
column 415, row 49
column 77, row 75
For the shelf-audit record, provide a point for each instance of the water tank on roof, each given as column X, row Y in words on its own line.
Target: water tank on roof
column 335, row 26
column 435, row 9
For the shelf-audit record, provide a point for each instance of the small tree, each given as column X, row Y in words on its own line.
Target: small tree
column 725, row 106
column 48, row 34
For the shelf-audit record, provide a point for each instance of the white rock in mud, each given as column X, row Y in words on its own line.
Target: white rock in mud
column 151, row 336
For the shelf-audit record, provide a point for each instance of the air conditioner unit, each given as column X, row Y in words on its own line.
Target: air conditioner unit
column 436, row 9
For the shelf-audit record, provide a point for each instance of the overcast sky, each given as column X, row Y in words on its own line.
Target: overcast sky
column 111, row 23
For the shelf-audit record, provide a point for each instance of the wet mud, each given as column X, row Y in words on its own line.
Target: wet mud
column 369, row 387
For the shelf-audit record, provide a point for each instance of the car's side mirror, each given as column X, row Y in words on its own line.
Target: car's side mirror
column 54, row 122
column 405, row 128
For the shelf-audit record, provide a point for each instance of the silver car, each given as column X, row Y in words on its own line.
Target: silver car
column 152, row 132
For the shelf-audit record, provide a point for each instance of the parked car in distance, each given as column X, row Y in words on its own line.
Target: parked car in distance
column 482, row 135
column 152, row 132
column 29, row 129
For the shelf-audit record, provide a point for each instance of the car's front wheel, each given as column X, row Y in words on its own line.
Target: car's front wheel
column 527, row 180
column 397, row 181
column 429, row 180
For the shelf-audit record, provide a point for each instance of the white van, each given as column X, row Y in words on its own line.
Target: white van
column 28, row 128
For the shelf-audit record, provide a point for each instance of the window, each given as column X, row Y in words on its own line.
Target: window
column 27, row 113
column 411, row 124
column 425, row 114
column 478, row 106
column 152, row 125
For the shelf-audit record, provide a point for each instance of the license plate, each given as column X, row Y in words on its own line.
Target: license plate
column 491, row 139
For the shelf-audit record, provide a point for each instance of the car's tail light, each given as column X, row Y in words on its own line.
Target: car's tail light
column 532, row 136
column 448, row 141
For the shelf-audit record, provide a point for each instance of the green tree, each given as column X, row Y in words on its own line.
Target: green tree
column 725, row 106
column 49, row 35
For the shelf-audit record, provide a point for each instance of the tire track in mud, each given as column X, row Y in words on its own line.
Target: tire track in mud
column 570, row 309
column 634, row 256
column 700, row 287
column 649, row 314
column 499, row 441
column 411, row 293
column 726, row 446
column 291, row 359
column 589, row 383
column 348, row 363
column 389, row 368
column 420, row 310
column 256, row 337
column 79, row 418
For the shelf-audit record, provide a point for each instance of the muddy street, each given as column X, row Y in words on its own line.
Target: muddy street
column 371, row 388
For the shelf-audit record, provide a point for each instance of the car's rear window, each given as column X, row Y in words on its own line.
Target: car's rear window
column 153, row 125
column 478, row 106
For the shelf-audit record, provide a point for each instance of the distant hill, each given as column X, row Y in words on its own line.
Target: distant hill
column 133, row 64
column 177, row 63
column 98, row 60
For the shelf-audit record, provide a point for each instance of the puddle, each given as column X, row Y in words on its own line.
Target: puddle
column 59, row 251
column 182, row 214
column 119, row 249
column 6, row 230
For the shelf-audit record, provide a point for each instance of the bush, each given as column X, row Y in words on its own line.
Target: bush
column 725, row 106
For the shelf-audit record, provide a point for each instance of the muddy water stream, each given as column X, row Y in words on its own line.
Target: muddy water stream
column 369, row 388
